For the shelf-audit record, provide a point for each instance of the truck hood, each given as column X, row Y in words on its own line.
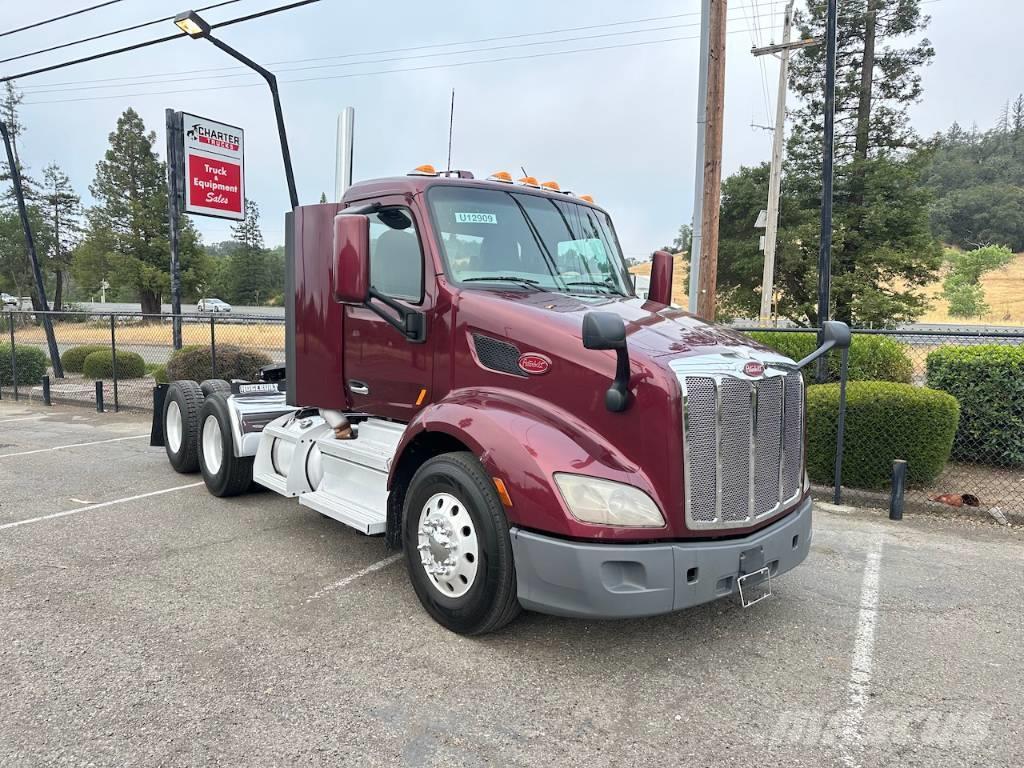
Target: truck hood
column 553, row 320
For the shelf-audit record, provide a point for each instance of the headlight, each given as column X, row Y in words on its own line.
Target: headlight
column 604, row 502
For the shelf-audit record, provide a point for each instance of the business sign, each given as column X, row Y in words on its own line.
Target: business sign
column 214, row 168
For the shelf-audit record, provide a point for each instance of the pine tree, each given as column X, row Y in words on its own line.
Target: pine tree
column 883, row 249
column 247, row 268
column 127, row 242
column 63, row 210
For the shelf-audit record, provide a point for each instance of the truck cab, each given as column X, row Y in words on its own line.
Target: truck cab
column 471, row 374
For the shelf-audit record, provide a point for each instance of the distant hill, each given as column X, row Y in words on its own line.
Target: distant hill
column 1004, row 293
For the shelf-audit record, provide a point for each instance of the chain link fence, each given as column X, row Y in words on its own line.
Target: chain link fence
column 120, row 356
column 948, row 402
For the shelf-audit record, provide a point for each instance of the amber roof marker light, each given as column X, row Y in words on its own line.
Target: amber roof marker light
column 424, row 170
column 503, row 176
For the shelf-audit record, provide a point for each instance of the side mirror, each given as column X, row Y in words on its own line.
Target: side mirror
column 834, row 335
column 661, row 278
column 351, row 279
column 606, row 330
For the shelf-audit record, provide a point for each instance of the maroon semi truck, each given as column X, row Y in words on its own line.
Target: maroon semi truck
column 469, row 373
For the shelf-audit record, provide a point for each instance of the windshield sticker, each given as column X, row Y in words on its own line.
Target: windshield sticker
column 466, row 217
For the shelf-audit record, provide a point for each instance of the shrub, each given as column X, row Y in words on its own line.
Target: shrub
column 884, row 421
column 73, row 359
column 988, row 381
column 32, row 363
column 872, row 358
column 159, row 373
column 100, row 365
column 195, row 363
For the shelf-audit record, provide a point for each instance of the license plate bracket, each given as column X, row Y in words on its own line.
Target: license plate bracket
column 755, row 587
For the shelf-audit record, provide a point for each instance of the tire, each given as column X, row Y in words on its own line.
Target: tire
column 224, row 473
column 209, row 386
column 455, row 488
column 181, row 425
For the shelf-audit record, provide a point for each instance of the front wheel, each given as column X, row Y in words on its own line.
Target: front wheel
column 224, row 473
column 457, row 546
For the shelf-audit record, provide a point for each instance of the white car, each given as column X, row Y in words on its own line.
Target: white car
column 213, row 305
column 8, row 301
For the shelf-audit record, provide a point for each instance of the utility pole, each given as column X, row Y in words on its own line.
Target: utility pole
column 698, row 173
column 175, row 187
column 708, row 277
column 825, row 250
column 30, row 246
column 775, row 179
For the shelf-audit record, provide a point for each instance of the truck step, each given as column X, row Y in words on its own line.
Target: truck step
column 347, row 511
column 355, row 475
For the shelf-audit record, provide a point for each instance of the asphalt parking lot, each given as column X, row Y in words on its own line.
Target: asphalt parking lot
column 144, row 622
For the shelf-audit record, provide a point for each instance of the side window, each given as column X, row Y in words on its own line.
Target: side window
column 396, row 261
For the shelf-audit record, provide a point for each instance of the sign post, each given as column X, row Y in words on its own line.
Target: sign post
column 205, row 177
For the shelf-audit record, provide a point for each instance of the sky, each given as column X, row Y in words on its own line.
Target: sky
column 617, row 121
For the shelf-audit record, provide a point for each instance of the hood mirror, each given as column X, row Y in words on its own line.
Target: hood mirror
column 606, row 330
column 834, row 335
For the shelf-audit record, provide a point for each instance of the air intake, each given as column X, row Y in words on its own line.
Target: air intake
column 497, row 355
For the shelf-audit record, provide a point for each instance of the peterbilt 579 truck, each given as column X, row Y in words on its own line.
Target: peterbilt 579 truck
column 469, row 373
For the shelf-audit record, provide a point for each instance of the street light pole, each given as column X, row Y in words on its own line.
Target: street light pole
column 30, row 246
column 191, row 23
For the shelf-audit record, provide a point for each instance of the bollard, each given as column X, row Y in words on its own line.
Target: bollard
column 99, row 397
column 46, row 391
column 899, row 482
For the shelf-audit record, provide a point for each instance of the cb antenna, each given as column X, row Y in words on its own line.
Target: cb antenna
column 451, row 125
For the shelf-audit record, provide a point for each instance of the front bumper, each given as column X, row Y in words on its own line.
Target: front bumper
column 610, row 581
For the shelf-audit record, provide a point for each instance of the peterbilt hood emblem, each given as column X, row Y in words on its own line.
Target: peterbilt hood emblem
column 534, row 364
column 754, row 369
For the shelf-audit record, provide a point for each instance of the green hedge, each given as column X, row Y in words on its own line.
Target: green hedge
column 32, row 364
column 73, row 359
column 195, row 363
column 100, row 365
column 988, row 381
column 872, row 358
column 884, row 421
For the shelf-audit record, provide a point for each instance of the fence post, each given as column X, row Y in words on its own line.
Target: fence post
column 837, row 491
column 46, row 390
column 99, row 397
column 14, row 360
column 213, row 347
column 899, row 482
column 113, row 356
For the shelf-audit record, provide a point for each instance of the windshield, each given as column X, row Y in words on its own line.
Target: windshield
column 511, row 238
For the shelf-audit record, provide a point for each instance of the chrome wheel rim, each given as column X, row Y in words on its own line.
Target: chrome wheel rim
column 172, row 426
column 447, row 543
column 213, row 446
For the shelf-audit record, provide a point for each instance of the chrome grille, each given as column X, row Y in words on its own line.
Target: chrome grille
column 743, row 442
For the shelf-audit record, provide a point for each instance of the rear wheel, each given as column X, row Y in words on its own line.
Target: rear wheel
column 209, row 386
column 457, row 547
column 181, row 425
column 224, row 473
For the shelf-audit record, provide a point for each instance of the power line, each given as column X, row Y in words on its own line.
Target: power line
column 58, row 18
column 385, row 71
column 109, row 34
column 157, row 41
column 141, row 79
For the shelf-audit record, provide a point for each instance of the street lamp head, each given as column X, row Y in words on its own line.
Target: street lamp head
column 192, row 24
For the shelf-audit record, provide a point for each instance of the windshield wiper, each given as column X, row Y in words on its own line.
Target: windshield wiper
column 505, row 278
column 606, row 284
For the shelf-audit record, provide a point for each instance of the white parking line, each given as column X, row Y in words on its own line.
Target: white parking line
column 101, row 505
column 71, row 445
column 863, row 655
column 357, row 575
column 24, row 418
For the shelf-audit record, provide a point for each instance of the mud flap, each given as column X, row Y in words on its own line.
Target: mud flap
column 156, row 432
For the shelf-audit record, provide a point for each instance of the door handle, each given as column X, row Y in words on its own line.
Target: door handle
column 358, row 387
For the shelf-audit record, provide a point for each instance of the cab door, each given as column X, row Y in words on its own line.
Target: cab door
column 386, row 374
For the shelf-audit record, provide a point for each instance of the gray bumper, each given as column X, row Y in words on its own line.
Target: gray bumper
column 571, row 578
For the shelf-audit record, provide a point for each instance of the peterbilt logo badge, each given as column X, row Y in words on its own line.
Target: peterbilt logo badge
column 753, row 369
column 534, row 364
